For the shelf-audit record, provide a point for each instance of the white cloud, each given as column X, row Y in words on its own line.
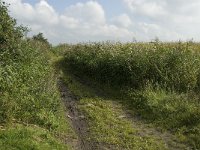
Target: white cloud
column 42, row 12
column 68, row 22
column 151, row 8
column 45, row 13
column 91, row 11
column 80, row 22
column 122, row 20
column 18, row 8
column 149, row 31
column 178, row 18
column 87, row 21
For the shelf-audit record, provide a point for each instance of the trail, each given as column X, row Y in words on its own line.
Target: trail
column 145, row 129
column 77, row 119
column 81, row 128
column 142, row 128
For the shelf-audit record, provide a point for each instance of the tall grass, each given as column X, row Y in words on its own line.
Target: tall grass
column 29, row 99
column 173, row 65
column 27, row 88
column 159, row 81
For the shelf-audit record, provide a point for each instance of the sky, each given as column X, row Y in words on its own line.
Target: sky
column 73, row 21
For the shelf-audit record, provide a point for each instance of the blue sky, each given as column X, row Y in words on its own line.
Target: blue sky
column 111, row 7
column 59, row 5
column 116, row 20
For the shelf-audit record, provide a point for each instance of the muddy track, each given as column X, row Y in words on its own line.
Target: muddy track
column 143, row 129
column 77, row 119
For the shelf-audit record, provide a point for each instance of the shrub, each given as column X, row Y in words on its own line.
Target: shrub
column 10, row 35
column 175, row 65
column 28, row 91
column 40, row 38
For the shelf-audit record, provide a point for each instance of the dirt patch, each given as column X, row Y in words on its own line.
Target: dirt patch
column 143, row 129
column 77, row 119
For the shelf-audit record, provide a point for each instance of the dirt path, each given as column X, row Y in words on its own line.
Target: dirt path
column 143, row 129
column 80, row 126
column 77, row 119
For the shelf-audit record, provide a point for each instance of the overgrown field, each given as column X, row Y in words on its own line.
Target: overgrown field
column 158, row 81
column 31, row 114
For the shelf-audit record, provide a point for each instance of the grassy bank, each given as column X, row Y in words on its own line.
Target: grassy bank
column 107, row 125
column 170, row 65
column 31, row 108
column 157, row 81
column 31, row 113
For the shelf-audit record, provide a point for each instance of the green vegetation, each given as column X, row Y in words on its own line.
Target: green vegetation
column 40, row 37
column 171, row 65
column 157, row 81
column 31, row 114
column 25, row 138
column 176, row 112
column 107, row 125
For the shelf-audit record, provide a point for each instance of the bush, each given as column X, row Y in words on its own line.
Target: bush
column 159, row 82
column 178, row 113
column 28, row 91
column 40, row 38
column 10, row 36
column 172, row 65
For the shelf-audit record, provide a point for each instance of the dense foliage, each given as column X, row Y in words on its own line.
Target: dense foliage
column 160, row 81
column 173, row 65
column 28, row 92
column 40, row 37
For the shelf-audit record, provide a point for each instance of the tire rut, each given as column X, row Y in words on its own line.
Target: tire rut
column 77, row 119
column 143, row 129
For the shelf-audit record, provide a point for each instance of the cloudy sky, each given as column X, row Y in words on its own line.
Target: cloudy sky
column 117, row 20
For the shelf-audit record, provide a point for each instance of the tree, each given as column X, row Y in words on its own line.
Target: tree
column 41, row 38
column 10, row 34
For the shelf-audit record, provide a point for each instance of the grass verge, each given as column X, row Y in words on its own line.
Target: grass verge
column 20, row 137
column 107, row 126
